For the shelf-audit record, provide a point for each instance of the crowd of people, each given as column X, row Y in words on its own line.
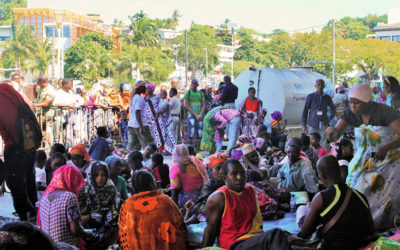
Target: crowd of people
column 97, row 196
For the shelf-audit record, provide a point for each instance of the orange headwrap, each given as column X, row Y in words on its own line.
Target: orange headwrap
column 80, row 150
column 216, row 159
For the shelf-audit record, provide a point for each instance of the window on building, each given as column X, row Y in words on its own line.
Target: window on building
column 385, row 38
column 20, row 21
column 32, row 21
column 396, row 38
column 45, row 19
column 66, row 31
column 39, row 27
column 26, row 20
column 50, row 31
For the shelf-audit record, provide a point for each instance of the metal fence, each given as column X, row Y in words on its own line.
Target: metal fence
column 72, row 126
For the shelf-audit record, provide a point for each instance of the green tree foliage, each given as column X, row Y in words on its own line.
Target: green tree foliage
column 6, row 14
column 143, row 31
column 200, row 37
column 249, row 50
column 99, row 38
column 238, row 67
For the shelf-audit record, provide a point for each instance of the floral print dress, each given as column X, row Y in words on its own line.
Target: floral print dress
column 379, row 181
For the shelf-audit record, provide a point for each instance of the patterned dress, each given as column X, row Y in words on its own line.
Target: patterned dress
column 379, row 181
column 56, row 215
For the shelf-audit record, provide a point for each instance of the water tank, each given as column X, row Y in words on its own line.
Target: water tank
column 280, row 89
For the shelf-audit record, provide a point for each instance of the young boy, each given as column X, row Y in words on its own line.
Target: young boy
column 100, row 147
column 149, row 150
column 123, row 127
column 40, row 174
column 354, row 228
column 160, row 170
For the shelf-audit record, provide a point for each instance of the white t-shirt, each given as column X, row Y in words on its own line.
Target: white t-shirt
column 138, row 103
column 64, row 98
column 40, row 175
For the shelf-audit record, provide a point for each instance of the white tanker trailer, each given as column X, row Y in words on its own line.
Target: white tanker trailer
column 281, row 89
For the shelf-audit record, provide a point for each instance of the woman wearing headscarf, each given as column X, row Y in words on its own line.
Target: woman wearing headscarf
column 157, row 128
column 196, row 212
column 150, row 219
column 187, row 176
column 114, row 99
column 59, row 214
column 392, row 87
column 279, row 134
column 164, row 113
column 98, row 202
column 250, row 109
column 125, row 95
column 115, row 165
column 80, row 158
column 374, row 168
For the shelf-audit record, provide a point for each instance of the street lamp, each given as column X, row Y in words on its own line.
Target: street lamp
column 232, row 26
column 59, row 19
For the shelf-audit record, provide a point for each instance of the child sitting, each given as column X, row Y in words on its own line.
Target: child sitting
column 40, row 174
column 160, row 170
column 100, row 147
column 55, row 161
column 149, row 150
column 123, row 127
column 315, row 139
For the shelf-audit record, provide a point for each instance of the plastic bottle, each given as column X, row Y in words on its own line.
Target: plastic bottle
column 293, row 204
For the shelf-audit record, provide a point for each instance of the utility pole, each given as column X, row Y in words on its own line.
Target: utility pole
column 334, row 53
column 206, row 64
column 233, row 53
column 186, row 60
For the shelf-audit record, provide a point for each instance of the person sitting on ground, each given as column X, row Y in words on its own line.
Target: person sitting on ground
column 98, row 204
column 149, row 150
column 315, row 139
column 196, row 212
column 297, row 174
column 258, row 166
column 40, row 173
column 53, row 163
column 279, row 133
column 233, row 215
column 80, row 159
column 308, row 150
column 187, row 176
column 100, row 147
column 345, row 154
column 160, row 170
column 149, row 219
column 115, row 165
column 58, row 213
column 354, row 228
column 24, row 235
column 135, row 161
column 191, row 149
column 57, row 147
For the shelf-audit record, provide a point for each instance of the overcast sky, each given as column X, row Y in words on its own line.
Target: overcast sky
column 261, row 15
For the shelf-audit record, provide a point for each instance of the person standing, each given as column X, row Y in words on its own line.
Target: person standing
column 138, row 131
column 194, row 102
column 229, row 93
column 176, row 107
column 19, row 162
column 315, row 118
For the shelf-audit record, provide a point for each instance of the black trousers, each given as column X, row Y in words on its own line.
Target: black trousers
column 20, row 174
column 272, row 239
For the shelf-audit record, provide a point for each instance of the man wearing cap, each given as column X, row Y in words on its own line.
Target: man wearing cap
column 314, row 118
column 138, row 130
column 258, row 165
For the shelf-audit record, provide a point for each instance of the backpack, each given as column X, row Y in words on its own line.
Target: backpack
column 28, row 128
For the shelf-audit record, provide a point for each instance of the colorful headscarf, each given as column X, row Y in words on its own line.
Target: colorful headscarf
column 237, row 155
column 152, row 86
column 276, row 115
column 80, row 150
column 258, row 142
column 180, row 155
column 67, row 178
column 248, row 148
column 216, row 159
column 112, row 159
column 126, row 86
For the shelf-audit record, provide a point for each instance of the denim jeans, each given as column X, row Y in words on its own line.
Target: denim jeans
column 234, row 130
column 195, row 127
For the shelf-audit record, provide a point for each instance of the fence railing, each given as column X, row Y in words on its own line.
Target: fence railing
column 71, row 126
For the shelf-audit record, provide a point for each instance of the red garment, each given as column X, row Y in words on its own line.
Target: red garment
column 252, row 106
column 8, row 113
column 80, row 150
column 322, row 152
column 241, row 218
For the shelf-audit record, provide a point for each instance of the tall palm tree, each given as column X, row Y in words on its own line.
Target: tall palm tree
column 143, row 33
column 21, row 45
column 43, row 56
column 175, row 18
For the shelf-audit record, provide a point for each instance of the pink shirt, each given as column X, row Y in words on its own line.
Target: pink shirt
column 189, row 181
column 225, row 116
column 322, row 152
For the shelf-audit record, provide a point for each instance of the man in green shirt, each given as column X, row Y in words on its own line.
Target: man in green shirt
column 194, row 102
